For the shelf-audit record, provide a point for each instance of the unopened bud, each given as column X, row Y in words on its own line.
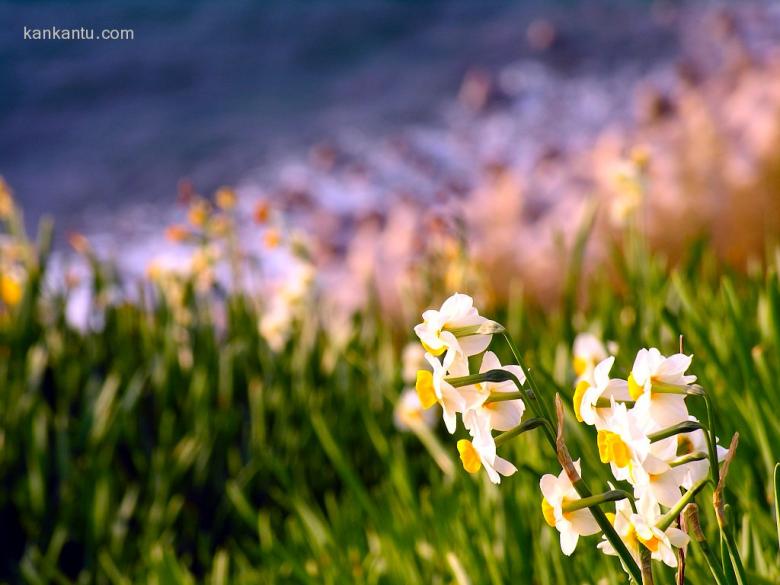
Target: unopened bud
column 691, row 524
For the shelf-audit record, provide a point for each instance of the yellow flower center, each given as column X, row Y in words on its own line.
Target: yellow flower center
column 579, row 393
column 430, row 350
column 634, row 389
column 651, row 543
column 10, row 290
column 580, row 365
column 684, row 445
column 548, row 512
column 425, row 389
column 612, row 449
column 469, row 456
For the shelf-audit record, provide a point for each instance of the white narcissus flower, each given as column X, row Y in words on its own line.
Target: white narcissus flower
column 689, row 444
column 659, row 542
column 500, row 415
column 587, row 394
column 651, row 367
column 556, row 493
column 481, row 452
column 432, row 388
column 435, row 332
column 663, row 487
column 639, row 529
column 409, row 412
column 621, row 521
column 623, row 442
column 588, row 350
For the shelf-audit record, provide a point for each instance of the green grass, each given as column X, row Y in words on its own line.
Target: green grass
column 171, row 445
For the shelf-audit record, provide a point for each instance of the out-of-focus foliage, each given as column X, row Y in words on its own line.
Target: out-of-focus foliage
column 168, row 443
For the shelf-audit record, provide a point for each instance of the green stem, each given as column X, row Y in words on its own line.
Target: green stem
column 607, row 403
column 712, row 563
column 711, row 442
column 684, row 427
column 531, row 423
column 666, row 520
column 682, row 389
column 736, row 560
column 690, row 458
column 503, row 396
column 539, row 408
column 610, row 496
column 728, row 569
column 609, row 532
column 488, row 327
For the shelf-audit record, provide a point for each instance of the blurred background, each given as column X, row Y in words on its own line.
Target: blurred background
column 347, row 115
column 206, row 361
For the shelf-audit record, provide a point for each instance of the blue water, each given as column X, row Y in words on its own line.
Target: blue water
column 211, row 91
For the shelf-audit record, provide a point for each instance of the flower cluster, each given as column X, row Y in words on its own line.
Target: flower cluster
column 636, row 420
column 450, row 336
column 659, row 455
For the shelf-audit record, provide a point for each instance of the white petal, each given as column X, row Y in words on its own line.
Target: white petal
column 568, row 541
column 673, row 367
column 641, row 370
column 456, row 306
column 582, row 522
column 492, row 473
column 667, row 410
column 666, row 489
column 504, row 467
column 450, row 420
column 549, row 486
column 601, row 373
column 677, row 537
column 474, row 344
column 489, row 362
column 506, row 415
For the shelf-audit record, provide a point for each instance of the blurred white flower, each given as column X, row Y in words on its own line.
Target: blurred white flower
column 409, row 412
column 412, row 359
column 588, row 350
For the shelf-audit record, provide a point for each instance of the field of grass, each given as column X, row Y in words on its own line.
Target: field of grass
column 168, row 443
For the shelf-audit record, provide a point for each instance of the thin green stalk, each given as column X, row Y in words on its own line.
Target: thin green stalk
column 531, row 423
column 534, row 392
column 776, row 481
column 564, row 458
column 681, row 389
column 678, row 429
column 728, row 569
column 736, row 560
column 610, row 496
column 609, row 532
column 666, row 520
column 504, row 396
column 712, row 563
column 711, row 441
column 692, row 526
column 690, row 458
